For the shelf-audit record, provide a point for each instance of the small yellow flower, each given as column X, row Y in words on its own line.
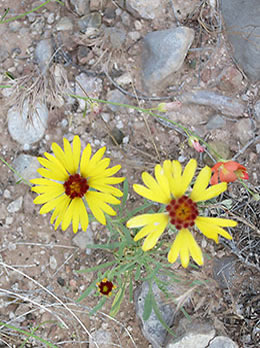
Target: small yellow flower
column 105, row 287
column 71, row 180
column 169, row 188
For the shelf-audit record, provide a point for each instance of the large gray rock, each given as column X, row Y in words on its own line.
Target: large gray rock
column 163, row 54
column 222, row 342
column 242, row 19
column 152, row 328
column 191, row 334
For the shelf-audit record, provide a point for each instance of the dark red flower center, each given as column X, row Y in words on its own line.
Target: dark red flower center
column 105, row 287
column 182, row 212
column 76, row 186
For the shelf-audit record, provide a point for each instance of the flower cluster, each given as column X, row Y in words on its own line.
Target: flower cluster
column 74, row 183
column 71, row 181
column 170, row 188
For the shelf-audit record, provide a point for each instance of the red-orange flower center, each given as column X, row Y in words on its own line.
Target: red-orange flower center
column 76, row 186
column 182, row 212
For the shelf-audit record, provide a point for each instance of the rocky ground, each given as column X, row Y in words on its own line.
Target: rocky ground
column 139, row 53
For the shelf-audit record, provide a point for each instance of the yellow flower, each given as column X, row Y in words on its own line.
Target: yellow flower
column 69, row 182
column 169, row 188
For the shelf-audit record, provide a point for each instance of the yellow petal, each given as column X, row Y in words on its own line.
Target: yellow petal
column 211, row 192
column 52, row 204
column 62, row 157
column 49, row 195
column 69, row 156
column 156, row 196
column 84, row 221
column 210, row 230
column 76, row 152
column 53, row 186
column 153, row 237
column 97, row 204
column 85, row 161
column 187, row 176
column 201, row 183
column 76, row 214
column 68, row 215
column 53, row 175
column 218, row 221
column 162, row 180
column 144, row 219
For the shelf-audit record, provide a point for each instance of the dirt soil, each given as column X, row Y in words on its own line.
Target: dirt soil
column 38, row 283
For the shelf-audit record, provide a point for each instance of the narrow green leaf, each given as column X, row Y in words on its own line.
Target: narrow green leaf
column 137, row 273
column 131, row 289
column 117, row 301
column 147, row 305
column 159, row 316
column 98, row 306
column 96, row 268
column 91, row 287
column 29, row 334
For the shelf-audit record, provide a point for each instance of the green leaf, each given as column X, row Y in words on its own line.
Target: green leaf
column 137, row 273
column 28, row 334
column 91, row 287
column 147, row 305
column 98, row 306
column 109, row 246
column 117, row 301
column 96, row 268
column 131, row 289
column 159, row 316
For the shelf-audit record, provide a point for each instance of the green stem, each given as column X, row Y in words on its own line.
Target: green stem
column 148, row 111
column 15, row 172
column 2, row 21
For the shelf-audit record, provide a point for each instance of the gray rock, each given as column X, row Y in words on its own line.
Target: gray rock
column 222, row 342
column 83, row 238
column 224, row 271
column 243, row 130
column 26, row 166
column 92, row 20
column 25, row 128
column 64, row 24
column 91, row 85
column 216, row 122
column 100, row 338
column 258, row 148
column 116, row 36
column 146, row 9
column 115, row 96
column 43, row 54
column 15, row 206
column 257, row 111
column 81, row 7
column 152, row 329
column 243, row 30
column 163, row 54
column 226, row 105
column 192, row 334
column 230, row 79
column 118, row 135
